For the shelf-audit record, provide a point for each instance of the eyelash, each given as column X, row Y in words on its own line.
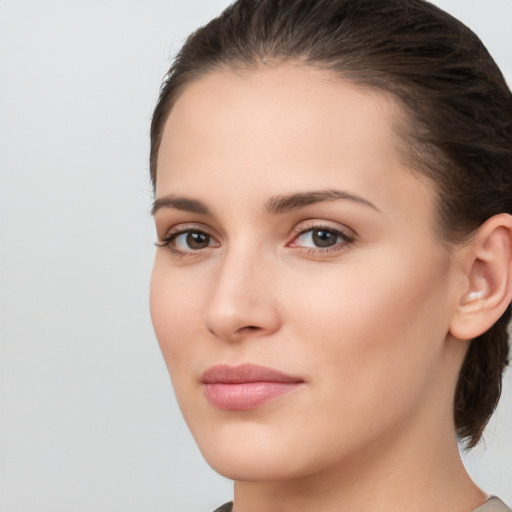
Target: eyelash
column 346, row 240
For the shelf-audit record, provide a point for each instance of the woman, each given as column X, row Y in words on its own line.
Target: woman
column 332, row 285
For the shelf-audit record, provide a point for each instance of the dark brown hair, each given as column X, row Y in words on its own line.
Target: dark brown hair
column 457, row 106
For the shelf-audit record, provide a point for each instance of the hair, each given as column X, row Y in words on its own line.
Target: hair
column 457, row 111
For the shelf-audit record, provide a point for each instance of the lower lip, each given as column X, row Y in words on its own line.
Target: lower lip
column 246, row 395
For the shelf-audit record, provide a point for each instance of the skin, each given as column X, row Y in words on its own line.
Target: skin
column 367, row 324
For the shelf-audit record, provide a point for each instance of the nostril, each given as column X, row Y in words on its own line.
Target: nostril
column 249, row 328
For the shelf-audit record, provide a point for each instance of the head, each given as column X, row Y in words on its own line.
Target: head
column 450, row 117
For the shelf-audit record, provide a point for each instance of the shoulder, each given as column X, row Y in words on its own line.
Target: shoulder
column 493, row 504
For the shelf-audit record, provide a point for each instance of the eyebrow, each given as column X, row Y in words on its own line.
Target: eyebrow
column 285, row 203
column 180, row 203
column 276, row 205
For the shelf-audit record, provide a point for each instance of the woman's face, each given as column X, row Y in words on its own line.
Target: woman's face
column 295, row 239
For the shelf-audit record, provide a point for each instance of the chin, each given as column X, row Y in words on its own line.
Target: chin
column 255, row 466
column 250, row 452
column 247, row 469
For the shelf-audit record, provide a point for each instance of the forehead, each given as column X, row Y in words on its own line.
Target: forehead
column 276, row 126
column 287, row 103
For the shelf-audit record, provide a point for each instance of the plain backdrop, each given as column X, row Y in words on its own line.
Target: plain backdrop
column 88, row 420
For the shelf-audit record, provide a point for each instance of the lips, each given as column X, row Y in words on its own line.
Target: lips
column 247, row 386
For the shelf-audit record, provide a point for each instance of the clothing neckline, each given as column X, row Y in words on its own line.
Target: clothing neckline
column 492, row 504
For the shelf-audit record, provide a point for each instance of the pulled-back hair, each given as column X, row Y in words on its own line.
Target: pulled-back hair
column 456, row 104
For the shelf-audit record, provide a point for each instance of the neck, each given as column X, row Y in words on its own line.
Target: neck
column 429, row 477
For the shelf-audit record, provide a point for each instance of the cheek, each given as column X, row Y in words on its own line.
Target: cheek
column 174, row 307
column 374, row 328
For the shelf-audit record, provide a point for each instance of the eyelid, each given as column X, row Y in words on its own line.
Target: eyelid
column 182, row 227
column 310, row 224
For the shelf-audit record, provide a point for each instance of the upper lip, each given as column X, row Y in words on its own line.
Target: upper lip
column 225, row 374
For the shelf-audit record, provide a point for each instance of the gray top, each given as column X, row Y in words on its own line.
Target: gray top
column 491, row 505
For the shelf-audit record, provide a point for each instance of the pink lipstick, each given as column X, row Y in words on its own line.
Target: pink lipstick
column 247, row 386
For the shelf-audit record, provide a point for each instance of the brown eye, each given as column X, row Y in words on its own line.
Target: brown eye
column 193, row 240
column 188, row 241
column 324, row 237
column 321, row 239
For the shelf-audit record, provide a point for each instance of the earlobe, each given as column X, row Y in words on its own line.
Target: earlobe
column 488, row 269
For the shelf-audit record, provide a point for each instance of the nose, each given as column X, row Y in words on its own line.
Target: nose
column 243, row 301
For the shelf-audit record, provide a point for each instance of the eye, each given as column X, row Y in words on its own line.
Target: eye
column 318, row 238
column 192, row 240
column 187, row 241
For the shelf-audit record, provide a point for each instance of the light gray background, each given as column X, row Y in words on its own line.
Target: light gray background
column 88, row 421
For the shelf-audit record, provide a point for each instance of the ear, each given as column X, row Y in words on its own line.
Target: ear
column 488, row 278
